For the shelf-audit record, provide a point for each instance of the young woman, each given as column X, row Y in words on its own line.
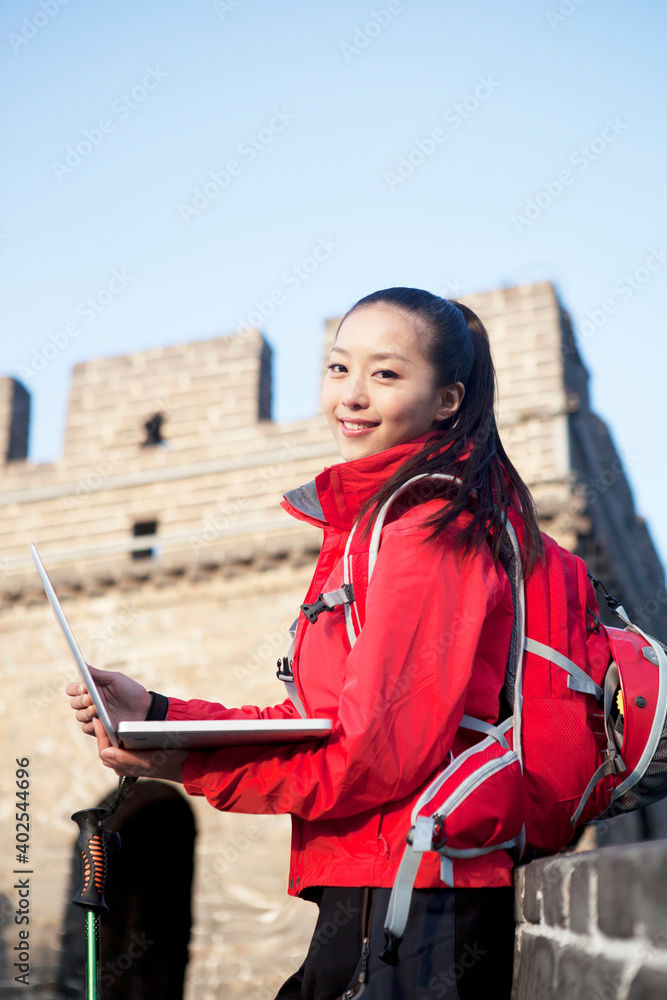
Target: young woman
column 410, row 389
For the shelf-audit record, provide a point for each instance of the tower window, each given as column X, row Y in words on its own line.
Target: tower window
column 153, row 429
column 138, row 530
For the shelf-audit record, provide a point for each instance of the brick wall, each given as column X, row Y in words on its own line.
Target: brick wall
column 593, row 925
column 205, row 613
column 208, row 635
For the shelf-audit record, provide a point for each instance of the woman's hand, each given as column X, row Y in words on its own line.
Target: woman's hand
column 166, row 763
column 126, row 700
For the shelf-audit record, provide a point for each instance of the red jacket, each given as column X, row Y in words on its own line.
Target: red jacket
column 434, row 644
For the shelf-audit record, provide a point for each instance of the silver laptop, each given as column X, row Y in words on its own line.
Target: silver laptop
column 180, row 735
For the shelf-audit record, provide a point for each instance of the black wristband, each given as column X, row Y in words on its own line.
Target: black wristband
column 158, row 708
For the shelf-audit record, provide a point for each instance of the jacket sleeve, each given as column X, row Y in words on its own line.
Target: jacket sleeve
column 195, row 710
column 402, row 698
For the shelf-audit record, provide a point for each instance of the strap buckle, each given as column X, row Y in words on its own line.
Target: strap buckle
column 312, row 611
column 284, row 671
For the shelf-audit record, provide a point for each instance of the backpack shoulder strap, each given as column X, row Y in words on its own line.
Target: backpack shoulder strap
column 353, row 565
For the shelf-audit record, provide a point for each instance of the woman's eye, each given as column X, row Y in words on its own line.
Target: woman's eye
column 386, row 373
column 336, row 367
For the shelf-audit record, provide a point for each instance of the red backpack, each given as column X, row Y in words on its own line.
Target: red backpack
column 586, row 738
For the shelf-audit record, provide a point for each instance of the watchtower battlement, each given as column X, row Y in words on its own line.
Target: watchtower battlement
column 172, row 462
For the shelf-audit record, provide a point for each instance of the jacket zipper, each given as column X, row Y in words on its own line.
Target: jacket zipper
column 360, row 985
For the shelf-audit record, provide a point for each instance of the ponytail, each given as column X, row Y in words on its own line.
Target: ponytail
column 466, row 445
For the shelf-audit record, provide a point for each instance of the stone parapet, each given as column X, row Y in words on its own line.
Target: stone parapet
column 593, row 925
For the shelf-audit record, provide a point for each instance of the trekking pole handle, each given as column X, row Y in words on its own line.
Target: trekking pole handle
column 93, row 852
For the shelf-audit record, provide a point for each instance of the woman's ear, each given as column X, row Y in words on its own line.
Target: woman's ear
column 449, row 400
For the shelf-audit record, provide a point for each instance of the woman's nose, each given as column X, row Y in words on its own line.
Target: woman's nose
column 355, row 394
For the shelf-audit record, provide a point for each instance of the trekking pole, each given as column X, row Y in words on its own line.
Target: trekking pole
column 94, row 839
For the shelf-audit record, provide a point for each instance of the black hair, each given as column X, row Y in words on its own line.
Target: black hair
column 466, row 445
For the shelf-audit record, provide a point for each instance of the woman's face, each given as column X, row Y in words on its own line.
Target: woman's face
column 380, row 390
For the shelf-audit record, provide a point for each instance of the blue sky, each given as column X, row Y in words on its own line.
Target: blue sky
column 115, row 114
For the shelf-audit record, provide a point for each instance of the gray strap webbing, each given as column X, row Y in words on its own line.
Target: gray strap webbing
column 288, row 679
column 468, row 722
column 611, row 683
column 401, row 893
column 578, row 679
column 614, row 762
column 293, row 696
column 622, row 614
column 335, row 597
column 377, row 527
column 611, row 766
column 446, row 870
column 476, row 852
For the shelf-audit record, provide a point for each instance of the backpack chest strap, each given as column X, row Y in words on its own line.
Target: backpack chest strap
column 327, row 602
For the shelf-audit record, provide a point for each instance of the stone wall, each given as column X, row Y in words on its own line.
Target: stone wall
column 200, row 606
column 216, row 637
column 593, row 925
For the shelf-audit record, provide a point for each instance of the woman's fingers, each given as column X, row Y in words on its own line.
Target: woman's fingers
column 79, row 697
column 139, row 763
column 124, row 698
column 85, row 708
column 82, row 704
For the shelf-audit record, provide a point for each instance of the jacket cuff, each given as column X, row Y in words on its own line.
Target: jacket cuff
column 158, row 708
column 178, row 710
column 194, row 769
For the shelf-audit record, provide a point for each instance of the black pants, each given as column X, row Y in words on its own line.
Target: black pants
column 458, row 945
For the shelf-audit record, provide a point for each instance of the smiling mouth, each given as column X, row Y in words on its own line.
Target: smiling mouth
column 359, row 425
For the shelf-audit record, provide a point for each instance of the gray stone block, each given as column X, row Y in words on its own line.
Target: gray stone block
column 553, row 878
column 582, row 910
column 519, row 891
column 532, row 900
column 651, row 890
column 648, row 984
column 536, row 969
column 580, row 976
column 618, row 870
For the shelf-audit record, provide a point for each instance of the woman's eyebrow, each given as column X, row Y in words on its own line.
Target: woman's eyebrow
column 384, row 356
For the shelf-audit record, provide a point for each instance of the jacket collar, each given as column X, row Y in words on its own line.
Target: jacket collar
column 336, row 495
